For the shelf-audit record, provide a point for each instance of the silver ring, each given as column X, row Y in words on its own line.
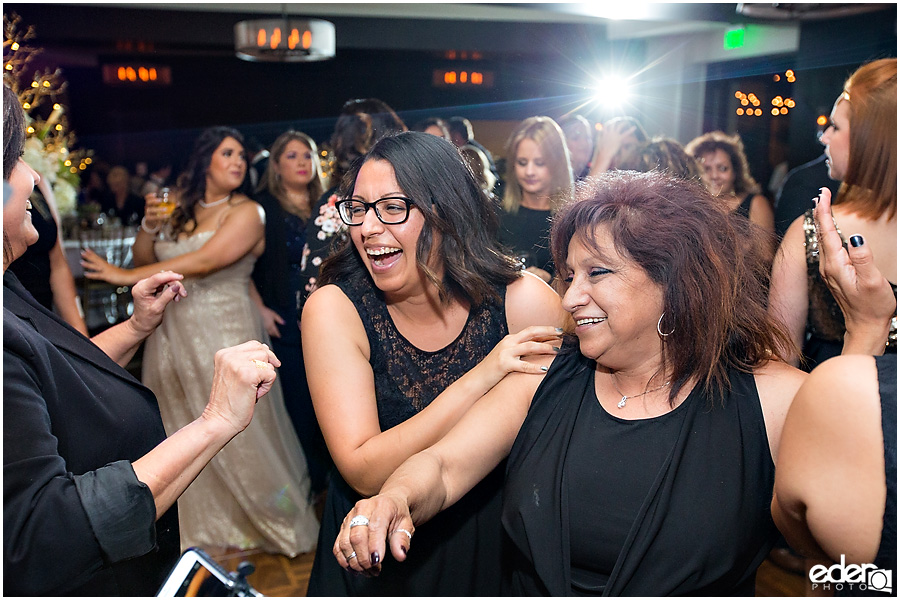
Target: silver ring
column 359, row 520
column 408, row 534
column 351, row 555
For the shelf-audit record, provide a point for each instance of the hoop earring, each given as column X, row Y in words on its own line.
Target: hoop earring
column 659, row 328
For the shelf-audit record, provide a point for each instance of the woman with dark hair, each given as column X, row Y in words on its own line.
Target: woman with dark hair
column 861, row 145
column 120, row 202
column 405, row 332
column 362, row 122
column 89, row 478
column 726, row 174
column 665, row 156
column 642, row 462
column 256, row 495
column 433, row 125
column 538, row 181
column 291, row 184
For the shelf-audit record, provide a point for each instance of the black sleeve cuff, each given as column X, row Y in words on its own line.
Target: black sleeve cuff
column 120, row 509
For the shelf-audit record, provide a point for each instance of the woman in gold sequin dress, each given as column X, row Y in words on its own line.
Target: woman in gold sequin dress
column 255, row 494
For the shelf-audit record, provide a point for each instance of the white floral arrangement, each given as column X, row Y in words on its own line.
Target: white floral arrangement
column 48, row 139
column 50, row 162
column 329, row 221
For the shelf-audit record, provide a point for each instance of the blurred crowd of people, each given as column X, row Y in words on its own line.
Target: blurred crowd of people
column 579, row 367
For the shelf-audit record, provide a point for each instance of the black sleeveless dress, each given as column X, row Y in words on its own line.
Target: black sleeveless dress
column 700, row 523
column 887, row 389
column 886, row 557
column 457, row 553
column 33, row 267
column 527, row 234
column 744, row 208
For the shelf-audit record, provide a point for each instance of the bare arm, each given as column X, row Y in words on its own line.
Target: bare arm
column 788, row 293
column 271, row 319
column 439, row 476
column 609, row 142
column 171, row 466
column 241, row 232
column 142, row 250
column 151, row 296
column 776, row 384
column 829, row 482
column 862, row 292
column 342, row 386
column 62, row 284
column 763, row 216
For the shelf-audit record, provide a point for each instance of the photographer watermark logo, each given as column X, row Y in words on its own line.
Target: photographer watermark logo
column 841, row 576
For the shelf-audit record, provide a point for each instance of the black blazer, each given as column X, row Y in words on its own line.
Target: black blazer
column 75, row 518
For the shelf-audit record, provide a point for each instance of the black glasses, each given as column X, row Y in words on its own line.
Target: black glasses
column 390, row 211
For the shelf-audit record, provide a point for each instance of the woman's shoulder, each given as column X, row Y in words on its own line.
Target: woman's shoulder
column 531, row 301
column 329, row 307
column 776, row 384
column 244, row 207
column 326, row 299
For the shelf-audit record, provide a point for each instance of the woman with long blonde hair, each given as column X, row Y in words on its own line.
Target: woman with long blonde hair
column 538, row 180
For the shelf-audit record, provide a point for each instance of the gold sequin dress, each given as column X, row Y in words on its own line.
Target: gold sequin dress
column 255, row 492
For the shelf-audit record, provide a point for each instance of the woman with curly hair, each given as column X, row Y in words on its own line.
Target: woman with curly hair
column 727, row 176
column 255, row 494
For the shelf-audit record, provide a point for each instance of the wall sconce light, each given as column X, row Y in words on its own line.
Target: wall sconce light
column 283, row 39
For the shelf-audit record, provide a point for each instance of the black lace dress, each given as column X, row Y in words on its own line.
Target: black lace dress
column 458, row 552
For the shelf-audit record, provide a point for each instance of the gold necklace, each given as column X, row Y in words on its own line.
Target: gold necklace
column 621, row 403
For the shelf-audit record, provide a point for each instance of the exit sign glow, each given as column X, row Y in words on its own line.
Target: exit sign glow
column 734, row 38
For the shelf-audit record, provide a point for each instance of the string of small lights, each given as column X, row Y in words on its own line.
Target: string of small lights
column 49, row 139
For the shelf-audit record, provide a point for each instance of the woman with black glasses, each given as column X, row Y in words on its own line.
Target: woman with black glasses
column 407, row 330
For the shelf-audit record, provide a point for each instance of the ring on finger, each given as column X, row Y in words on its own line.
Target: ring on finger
column 352, row 555
column 260, row 364
column 408, row 534
column 359, row 521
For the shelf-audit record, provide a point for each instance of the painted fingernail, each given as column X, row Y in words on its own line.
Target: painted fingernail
column 856, row 241
column 815, row 201
column 404, row 549
column 543, row 368
column 375, row 558
column 559, row 330
column 555, row 348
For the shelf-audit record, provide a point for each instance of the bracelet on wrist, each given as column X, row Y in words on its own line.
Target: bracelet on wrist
column 147, row 229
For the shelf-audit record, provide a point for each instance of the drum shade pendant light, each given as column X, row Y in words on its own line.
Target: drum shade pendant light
column 283, row 39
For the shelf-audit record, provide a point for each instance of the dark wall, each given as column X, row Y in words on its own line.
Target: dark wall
column 829, row 51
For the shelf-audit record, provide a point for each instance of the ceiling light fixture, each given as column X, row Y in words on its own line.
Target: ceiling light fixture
column 283, row 39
